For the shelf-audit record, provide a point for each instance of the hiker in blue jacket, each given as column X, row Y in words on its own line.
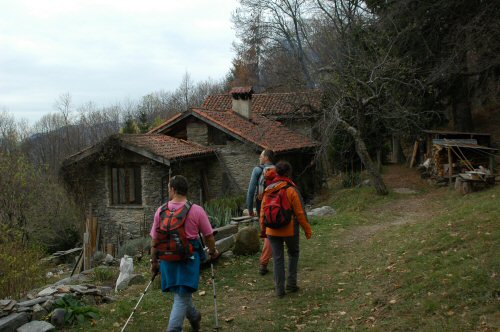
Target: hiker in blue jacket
column 254, row 194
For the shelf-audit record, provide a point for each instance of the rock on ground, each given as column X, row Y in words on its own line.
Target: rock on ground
column 13, row 321
column 36, row 326
column 322, row 211
column 247, row 241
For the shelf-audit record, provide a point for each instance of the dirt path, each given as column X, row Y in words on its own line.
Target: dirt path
column 421, row 203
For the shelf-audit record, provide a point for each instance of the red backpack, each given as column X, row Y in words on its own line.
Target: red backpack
column 173, row 244
column 277, row 208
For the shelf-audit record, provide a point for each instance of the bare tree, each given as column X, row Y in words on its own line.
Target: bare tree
column 9, row 138
column 371, row 91
column 277, row 26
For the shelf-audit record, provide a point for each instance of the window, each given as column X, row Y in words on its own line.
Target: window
column 126, row 185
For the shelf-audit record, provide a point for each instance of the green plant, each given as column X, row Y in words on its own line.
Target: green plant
column 104, row 273
column 135, row 246
column 223, row 209
column 76, row 311
column 351, row 180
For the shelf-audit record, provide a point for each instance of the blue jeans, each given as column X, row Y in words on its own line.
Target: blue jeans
column 183, row 307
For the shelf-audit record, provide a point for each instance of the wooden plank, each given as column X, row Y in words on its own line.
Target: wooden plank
column 241, row 218
column 414, row 154
column 98, row 235
column 450, row 168
column 225, row 231
column 86, row 257
column 77, row 264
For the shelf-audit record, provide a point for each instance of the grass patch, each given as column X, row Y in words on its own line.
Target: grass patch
column 439, row 270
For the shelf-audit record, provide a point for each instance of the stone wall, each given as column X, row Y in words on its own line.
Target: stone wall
column 239, row 160
column 301, row 126
column 197, row 131
column 122, row 222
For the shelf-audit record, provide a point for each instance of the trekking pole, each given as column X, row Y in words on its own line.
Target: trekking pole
column 140, row 299
column 217, row 327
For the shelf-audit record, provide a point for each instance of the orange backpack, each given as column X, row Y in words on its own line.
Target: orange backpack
column 173, row 243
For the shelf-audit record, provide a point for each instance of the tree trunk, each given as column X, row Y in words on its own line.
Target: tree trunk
column 461, row 107
column 375, row 176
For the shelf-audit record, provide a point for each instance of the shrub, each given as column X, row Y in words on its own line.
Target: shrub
column 103, row 273
column 36, row 204
column 350, row 180
column 21, row 268
column 223, row 209
column 135, row 246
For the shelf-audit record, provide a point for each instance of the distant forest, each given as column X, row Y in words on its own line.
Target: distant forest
column 387, row 68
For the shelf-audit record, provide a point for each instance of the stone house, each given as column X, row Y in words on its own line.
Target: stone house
column 124, row 178
column 238, row 131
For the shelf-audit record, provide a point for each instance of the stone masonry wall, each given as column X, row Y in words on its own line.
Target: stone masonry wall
column 197, row 131
column 121, row 222
column 239, row 160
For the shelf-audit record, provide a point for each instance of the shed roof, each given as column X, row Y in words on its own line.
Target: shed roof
column 461, row 144
column 446, row 132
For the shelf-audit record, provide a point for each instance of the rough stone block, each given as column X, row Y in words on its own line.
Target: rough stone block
column 13, row 321
column 36, row 326
column 47, row 291
column 57, row 317
column 30, row 303
column 247, row 241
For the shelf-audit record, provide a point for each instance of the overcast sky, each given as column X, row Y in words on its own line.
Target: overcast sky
column 107, row 51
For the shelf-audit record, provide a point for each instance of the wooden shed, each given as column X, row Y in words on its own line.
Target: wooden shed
column 445, row 154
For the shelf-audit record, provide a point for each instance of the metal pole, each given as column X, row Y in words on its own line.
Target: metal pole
column 140, row 299
column 217, row 327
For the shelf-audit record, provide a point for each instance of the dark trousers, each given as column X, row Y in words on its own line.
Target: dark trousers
column 278, row 246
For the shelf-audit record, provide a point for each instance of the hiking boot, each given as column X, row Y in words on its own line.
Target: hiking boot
column 195, row 322
column 280, row 295
column 292, row 289
column 263, row 270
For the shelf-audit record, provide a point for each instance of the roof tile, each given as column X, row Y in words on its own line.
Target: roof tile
column 165, row 146
column 270, row 104
column 261, row 131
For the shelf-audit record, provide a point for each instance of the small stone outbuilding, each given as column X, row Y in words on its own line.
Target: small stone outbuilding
column 124, row 178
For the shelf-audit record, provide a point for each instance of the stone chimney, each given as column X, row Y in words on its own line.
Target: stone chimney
column 242, row 101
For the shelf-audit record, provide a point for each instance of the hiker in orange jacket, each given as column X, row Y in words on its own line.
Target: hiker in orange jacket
column 289, row 233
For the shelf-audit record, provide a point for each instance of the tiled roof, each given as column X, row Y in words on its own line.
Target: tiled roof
column 272, row 104
column 165, row 146
column 161, row 148
column 263, row 132
column 243, row 89
column 165, row 124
